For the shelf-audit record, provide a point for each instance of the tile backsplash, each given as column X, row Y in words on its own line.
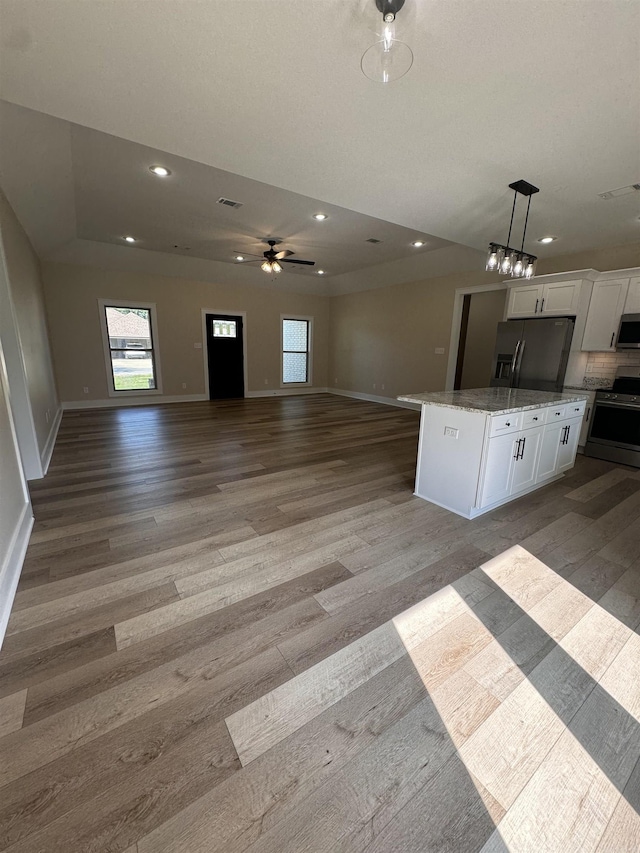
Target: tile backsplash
column 602, row 367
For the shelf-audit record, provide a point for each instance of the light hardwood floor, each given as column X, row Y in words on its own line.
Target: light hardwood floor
column 236, row 629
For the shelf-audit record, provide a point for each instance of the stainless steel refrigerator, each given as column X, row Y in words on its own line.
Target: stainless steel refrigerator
column 532, row 353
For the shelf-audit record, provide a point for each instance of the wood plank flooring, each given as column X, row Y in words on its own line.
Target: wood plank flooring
column 236, row 629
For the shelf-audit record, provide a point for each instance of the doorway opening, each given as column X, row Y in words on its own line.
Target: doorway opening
column 225, row 355
column 479, row 313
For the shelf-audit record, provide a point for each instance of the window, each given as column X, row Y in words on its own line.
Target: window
column 130, row 350
column 224, row 328
column 296, row 350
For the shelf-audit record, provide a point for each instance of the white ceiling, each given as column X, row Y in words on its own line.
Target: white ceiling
column 545, row 90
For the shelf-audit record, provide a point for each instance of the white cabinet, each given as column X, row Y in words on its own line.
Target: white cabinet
column 605, row 309
column 524, row 300
column 500, row 463
column 558, row 448
column 568, row 445
column 632, row 304
column 549, row 299
column 526, row 455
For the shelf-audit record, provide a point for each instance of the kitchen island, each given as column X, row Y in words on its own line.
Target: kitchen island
column 483, row 447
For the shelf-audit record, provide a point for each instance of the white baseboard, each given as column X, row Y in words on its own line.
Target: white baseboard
column 45, row 456
column 114, row 402
column 285, row 392
column 12, row 566
column 373, row 398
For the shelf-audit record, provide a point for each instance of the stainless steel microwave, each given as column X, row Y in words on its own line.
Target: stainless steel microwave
column 629, row 332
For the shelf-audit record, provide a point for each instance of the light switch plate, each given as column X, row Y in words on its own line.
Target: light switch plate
column 452, row 432
column 439, row 350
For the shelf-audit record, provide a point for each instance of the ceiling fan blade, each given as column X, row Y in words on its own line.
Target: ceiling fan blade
column 280, row 256
column 251, row 261
column 298, row 261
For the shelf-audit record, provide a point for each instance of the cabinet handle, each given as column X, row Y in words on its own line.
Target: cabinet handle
column 516, row 455
column 588, row 414
column 535, row 419
column 613, row 334
column 542, row 307
column 524, row 441
column 508, row 423
column 536, row 311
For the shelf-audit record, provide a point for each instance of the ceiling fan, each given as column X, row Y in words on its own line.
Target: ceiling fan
column 271, row 260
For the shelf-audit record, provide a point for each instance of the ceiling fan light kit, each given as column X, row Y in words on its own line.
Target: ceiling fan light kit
column 502, row 258
column 271, row 261
column 389, row 59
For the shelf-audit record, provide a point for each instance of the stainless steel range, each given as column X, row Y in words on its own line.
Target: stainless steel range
column 614, row 433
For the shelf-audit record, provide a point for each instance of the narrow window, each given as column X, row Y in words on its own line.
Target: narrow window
column 296, row 349
column 131, row 351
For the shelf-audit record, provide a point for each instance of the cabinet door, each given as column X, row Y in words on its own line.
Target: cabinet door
column 603, row 318
column 524, row 300
column 568, row 444
column 560, row 298
column 498, row 470
column 527, row 449
column 549, row 450
column 632, row 305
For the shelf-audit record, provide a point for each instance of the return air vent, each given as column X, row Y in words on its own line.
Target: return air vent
column 372, row 240
column 633, row 188
column 229, row 203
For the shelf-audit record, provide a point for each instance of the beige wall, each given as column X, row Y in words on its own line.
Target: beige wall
column 389, row 336
column 25, row 286
column 486, row 310
column 12, row 499
column 72, row 294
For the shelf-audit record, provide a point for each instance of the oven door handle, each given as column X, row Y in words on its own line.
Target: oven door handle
column 614, row 405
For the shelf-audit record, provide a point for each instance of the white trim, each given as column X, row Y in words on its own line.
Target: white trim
column 12, row 566
column 288, row 392
column 372, row 398
column 205, row 346
column 47, row 450
column 456, row 322
column 71, row 405
column 309, row 381
column 155, row 344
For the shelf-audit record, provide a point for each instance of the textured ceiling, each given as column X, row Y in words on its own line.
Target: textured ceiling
column 272, row 91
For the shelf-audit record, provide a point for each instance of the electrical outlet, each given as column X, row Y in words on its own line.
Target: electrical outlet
column 452, row 432
column 197, row 346
column 335, row 381
column 374, row 386
column 46, row 414
column 439, row 350
column 382, row 386
column 591, row 368
column 184, row 384
column 85, row 390
column 266, row 381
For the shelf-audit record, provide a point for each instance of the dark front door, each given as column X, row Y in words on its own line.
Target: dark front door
column 225, row 356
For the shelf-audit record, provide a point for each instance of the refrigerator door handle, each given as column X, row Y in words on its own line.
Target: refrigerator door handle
column 517, row 358
column 514, row 361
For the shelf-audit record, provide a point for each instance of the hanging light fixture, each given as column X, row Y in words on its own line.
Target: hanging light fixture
column 388, row 59
column 505, row 259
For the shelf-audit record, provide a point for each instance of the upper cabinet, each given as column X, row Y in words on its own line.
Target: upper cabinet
column 632, row 304
column 605, row 309
column 549, row 299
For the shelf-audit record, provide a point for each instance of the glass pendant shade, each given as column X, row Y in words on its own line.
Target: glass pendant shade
column 266, row 266
column 387, row 60
column 275, row 267
column 494, row 257
column 506, row 264
column 518, row 267
column 530, row 267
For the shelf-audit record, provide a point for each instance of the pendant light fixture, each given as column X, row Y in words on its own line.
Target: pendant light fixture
column 388, row 59
column 509, row 261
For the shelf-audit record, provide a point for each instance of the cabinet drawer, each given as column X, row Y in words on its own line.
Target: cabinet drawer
column 501, row 424
column 558, row 413
column 576, row 410
column 536, row 417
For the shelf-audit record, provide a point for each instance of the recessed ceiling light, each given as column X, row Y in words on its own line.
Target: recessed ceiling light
column 239, row 257
column 320, row 216
column 320, row 272
column 160, row 171
column 547, row 239
column 130, row 239
column 418, row 243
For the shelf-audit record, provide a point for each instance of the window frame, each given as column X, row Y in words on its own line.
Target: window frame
column 309, row 321
column 155, row 346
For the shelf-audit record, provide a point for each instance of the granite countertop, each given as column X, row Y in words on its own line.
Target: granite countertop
column 493, row 401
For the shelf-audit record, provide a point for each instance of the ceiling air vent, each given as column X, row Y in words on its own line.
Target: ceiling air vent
column 620, row 191
column 230, row 203
column 372, row 240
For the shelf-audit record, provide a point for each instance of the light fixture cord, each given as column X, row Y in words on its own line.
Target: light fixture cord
column 513, row 210
column 524, row 230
